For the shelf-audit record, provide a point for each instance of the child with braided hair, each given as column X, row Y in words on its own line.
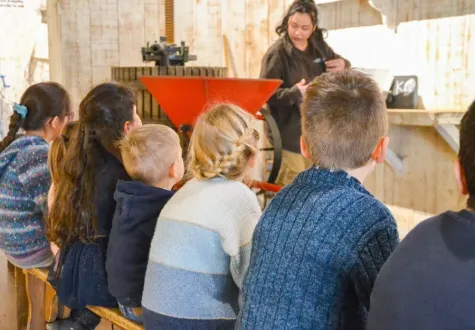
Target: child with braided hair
column 201, row 248
column 43, row 113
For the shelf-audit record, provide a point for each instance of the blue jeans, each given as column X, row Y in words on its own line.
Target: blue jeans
column 128, row 312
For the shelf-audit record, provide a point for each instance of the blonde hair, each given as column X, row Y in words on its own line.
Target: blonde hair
column 149, row 151
column 222, row 143
column 343, row 118
column 57, row 152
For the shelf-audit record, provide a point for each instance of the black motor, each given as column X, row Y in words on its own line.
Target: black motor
column 164, row 54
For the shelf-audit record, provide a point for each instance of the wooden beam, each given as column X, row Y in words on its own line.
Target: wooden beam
column 424, row 117
column 394, row 161
column 450, row 133
column 54, row 41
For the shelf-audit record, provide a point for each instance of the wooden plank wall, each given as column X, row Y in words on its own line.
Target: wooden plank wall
column 90, row 36
column 427, row 183
column 430, row 38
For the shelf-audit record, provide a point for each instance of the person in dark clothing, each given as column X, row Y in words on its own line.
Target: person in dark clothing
column 300, row 55
column 152, row 157
column 427, row 284
column 80, row 216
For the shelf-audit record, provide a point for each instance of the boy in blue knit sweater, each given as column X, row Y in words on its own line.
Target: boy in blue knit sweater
column 320, row 244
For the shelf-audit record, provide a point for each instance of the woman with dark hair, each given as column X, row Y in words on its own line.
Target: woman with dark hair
column 42, row 114
column 80, row 217
column 300, row 55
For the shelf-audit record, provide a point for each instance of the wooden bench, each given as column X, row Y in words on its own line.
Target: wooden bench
column 37, row 304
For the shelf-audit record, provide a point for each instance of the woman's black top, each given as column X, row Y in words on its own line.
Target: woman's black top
column 291, row 65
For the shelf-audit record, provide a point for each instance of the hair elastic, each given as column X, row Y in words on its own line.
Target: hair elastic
column 20, row 109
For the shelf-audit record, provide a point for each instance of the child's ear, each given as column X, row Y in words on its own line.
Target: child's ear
column 304, row 148
column 127, row 127
column 379, row 153
column 173, row 171
column 459, row 174
column 56, row 123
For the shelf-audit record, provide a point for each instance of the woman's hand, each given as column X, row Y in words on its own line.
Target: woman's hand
column 302, row 86
column 335, row 65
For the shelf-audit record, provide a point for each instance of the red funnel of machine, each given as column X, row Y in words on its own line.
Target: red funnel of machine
column 184, row 98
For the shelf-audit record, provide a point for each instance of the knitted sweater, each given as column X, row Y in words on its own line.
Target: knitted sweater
column 24, row 184
column 316, row 253
column 199, row 256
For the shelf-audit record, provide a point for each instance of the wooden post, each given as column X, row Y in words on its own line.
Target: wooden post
column 21, row 299
column 35, row 290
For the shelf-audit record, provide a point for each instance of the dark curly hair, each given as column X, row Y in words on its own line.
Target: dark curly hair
column 303, row 7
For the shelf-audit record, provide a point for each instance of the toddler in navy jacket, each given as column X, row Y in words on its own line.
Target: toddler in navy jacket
column 152, row 157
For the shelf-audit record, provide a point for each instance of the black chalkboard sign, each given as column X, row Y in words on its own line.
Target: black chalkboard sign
column 403, row 93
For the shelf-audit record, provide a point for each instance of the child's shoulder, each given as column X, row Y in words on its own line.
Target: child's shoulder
column 31, row 152
column 30, row 147
column 223, row 190
column 373, row 208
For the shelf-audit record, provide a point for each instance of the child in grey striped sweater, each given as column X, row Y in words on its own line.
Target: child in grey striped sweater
column 201, row 247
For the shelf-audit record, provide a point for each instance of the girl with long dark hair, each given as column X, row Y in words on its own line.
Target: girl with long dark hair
column 300, row 55
column 83, row 205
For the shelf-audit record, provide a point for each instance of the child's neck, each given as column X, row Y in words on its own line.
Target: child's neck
column 361, row 173
column 165, row 184
column 40, row 133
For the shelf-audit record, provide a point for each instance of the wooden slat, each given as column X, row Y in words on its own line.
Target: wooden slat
column 161, row 17
column 151, row 21
column 51, row 304
column 171, row 71
column 277, row 9
column 446, row 193
column 257, row 35
column 125, row 75
column 155, row 109
column 233, row 12
column 76, row 49
column 21, row 299
column 140, row 95
column 131, row 31
column 424, row 117
column 132, row 74
column 54, row 41
column 111, row 314
column 147, row 99
column 186, row 27
column 104, row 39
column 115, row 317
column 180, row 71
column 208, row 37
column 35, row 290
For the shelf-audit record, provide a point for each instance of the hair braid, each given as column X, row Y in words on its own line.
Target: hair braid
column 15, row 125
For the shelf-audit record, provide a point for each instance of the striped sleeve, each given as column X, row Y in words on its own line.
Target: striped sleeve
column 240, row 261
column 33, row 173
column 370, row 259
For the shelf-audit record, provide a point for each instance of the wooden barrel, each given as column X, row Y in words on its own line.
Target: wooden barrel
column 147, row 108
